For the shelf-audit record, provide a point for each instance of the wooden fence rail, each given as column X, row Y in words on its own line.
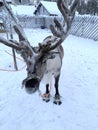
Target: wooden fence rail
column 85, row 26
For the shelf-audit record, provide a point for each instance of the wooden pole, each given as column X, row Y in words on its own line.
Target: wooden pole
column 13, row 50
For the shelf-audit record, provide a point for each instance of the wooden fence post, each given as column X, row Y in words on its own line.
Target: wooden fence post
column 13, row 51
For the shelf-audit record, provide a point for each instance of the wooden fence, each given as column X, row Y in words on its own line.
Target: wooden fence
column 83, row 26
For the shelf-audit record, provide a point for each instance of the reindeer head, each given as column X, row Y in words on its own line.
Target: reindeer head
column 37, row 64
column 36, row 57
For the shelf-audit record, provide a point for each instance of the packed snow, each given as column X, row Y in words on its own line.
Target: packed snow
column 78, row 87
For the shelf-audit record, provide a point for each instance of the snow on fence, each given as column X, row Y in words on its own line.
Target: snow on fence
column 3, row 24
column 83, row 26
column 31, row 21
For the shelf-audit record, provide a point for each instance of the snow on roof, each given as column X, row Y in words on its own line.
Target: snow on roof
column 51, row 7
column 23, row 9
column 6, row 0
column 1, row 21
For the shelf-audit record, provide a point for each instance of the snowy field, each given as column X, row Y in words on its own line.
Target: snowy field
column 78, row 88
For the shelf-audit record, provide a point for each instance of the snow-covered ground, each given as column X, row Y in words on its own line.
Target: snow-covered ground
column 78, row 88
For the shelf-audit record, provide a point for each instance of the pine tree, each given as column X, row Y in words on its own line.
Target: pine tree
column 88, row 7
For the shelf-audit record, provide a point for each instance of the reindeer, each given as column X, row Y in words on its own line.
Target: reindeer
column 45, row 60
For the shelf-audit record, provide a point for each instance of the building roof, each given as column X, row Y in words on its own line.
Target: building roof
column 51, row 7
column 6, row 0
column 23, row 9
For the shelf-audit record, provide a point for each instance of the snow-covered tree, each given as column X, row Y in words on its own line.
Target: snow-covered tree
column 88, row 7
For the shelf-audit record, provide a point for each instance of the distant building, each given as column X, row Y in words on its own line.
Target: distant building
column 8, row 1
column 23, row 10
column 47, row 8
column 2, row 5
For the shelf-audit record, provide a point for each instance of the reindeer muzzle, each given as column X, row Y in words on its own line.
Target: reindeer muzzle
column 31, row 84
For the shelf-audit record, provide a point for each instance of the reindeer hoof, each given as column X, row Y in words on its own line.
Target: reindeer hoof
column 57, row 100
column 46, row 97
column 46, row 100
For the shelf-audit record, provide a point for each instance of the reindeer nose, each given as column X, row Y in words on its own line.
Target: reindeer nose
column 32, row 85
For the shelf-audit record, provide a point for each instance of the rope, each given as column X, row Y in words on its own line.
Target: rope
column 12, row 55
column 13, row 70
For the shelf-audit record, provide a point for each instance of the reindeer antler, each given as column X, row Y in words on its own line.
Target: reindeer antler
column 23, row 45
column 17, row 26
column 68, row 14
column 59, row 31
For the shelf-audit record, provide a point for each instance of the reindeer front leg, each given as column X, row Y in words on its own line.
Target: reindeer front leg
column 57, row 95
column 46, row 96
